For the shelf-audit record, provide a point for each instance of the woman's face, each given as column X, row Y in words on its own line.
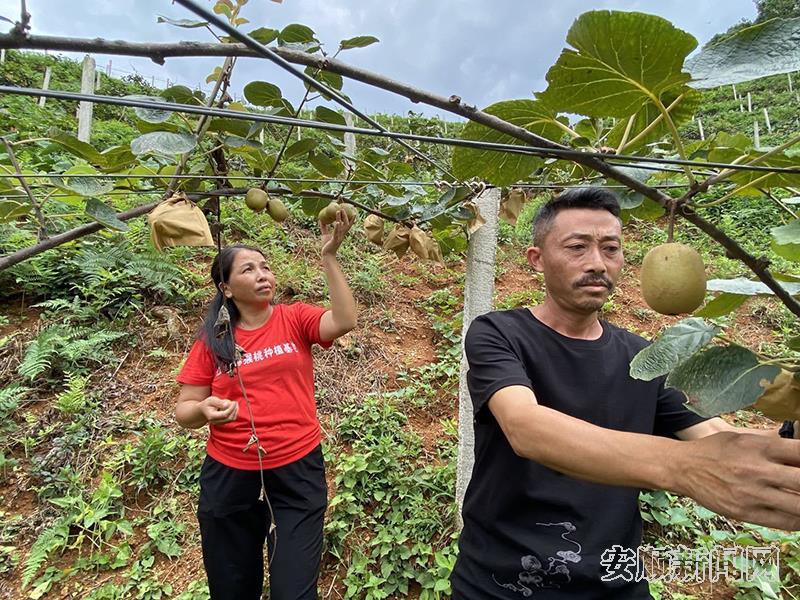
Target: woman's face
column 250, row 281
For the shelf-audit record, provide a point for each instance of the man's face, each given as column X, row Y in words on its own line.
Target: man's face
column 581, row 258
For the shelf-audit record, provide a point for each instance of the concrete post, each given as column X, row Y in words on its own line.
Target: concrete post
column 478, row 299
column 46, row 85
column 85, row 108
column 350, row 142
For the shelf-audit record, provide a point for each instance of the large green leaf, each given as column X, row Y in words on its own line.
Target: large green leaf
column 182, row 95
column 503, row 168
column 117, row 158
column 721, row 379
column 163, row 142
column 722, row 305
column 786, row 241
column 262, row 93
column 296, row 33
column 300, row 147
column 78, row 148
column 88, row 185
column 620, row 61
column 332, row 80
column 329, row 167
column 327, row 115
column 748, row 287
column 102, row 213
column 264, row 35
column 184, row 23
column 760, row 179
column 234, row 126
column 150, row 115
column 768, row 48
column 672, row 347
column 311, row 206
column 360, row 41
column 628, row 198
column 648, row 124
column 11, row 210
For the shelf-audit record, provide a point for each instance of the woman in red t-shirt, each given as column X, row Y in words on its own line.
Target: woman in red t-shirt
column 249, row 376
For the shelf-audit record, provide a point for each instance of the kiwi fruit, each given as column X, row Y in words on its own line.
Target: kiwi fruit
column 256, row 199
column 277, row 210
column 350, row 210
column 328, row 214
column 673, row 279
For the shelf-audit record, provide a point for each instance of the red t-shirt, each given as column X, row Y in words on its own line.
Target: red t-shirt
column 277, row 371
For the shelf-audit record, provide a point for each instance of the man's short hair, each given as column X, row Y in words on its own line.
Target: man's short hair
column 596, row 198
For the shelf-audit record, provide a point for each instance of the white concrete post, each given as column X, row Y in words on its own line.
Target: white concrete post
column 735, row 96
column 700, row 127
column 2, row 56
column 791, row 88
column 749, row 102
column 349, row 142
column 108, row 69
column 756, row 135
column 46, row 85
column 85, row 108
column 478, row 299
column 766, row 118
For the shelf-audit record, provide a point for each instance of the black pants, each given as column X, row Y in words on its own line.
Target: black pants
column 234, row 524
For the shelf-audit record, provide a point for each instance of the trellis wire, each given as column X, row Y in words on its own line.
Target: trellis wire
column 641, row 161
column 307, row 79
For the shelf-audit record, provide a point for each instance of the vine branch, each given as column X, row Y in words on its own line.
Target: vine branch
column 37, row 209
column 73, row 234
column 158, row 52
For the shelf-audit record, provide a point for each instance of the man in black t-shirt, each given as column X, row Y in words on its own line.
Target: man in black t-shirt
column 565, row 438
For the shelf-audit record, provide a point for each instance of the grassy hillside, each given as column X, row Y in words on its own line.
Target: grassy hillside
column 98, row 485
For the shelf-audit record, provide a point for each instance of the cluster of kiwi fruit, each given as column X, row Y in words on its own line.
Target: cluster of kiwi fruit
column 257, row 200
column 328, row 214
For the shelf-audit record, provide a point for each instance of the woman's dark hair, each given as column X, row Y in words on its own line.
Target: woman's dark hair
column 592, row 197
column 222, row 346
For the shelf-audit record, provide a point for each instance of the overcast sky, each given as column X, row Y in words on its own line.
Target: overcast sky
column 482, row 50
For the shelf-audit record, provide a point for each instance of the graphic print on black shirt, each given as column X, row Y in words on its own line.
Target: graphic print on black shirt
column 530, row 531
column 552, row 575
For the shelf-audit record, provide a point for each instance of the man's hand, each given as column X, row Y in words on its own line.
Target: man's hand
column 750, row 478
column 218, row 411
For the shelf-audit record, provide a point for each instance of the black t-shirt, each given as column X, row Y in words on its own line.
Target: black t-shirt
column 530, row 531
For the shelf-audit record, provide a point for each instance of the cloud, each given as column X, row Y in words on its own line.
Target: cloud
column 483, row 51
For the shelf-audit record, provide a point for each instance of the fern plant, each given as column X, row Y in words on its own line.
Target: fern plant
column 73, row 399
column 63, row 348
column 51, row 539
column 10, row 398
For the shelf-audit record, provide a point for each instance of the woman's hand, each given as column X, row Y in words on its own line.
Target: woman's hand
column 218, row 411
column 334, row 234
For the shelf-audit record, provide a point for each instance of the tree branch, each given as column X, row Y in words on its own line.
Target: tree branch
column 42, row 233
column 14, row 258
column 202, row 124
column 158, row 52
